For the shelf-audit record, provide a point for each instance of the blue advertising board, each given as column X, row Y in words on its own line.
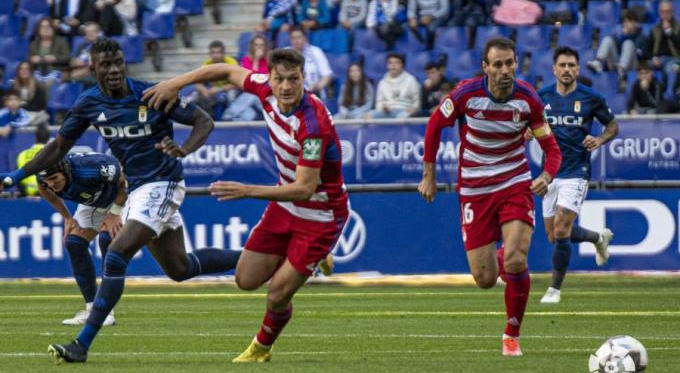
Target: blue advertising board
column 393, row 233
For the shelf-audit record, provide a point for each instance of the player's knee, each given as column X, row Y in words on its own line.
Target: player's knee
column 244, row 283
column 561, row 231
column 515, row 261
column 177, row 274
column 485, row 280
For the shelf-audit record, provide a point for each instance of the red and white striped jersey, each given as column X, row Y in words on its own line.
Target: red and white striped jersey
column 491, row 134
column 305, row 137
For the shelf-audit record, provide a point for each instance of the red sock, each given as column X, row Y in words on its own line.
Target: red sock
column 501, row 266
column 516, row 297
column 272, row 325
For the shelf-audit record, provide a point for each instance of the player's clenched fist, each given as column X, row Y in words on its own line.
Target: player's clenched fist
column 227, row 190
column 540, row 184
column 171, row 148
column 427, row 189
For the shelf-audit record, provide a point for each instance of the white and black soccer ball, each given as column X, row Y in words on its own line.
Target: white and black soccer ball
column 620, row 354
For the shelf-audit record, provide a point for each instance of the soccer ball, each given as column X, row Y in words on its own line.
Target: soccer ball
column 620, row 354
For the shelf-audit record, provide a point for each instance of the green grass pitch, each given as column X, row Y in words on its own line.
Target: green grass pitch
column 199, row 329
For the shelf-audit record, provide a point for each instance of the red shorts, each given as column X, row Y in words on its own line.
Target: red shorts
column 303, row 242
column 482, row 216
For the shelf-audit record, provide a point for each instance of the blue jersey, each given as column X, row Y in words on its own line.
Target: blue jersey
column 93, row 181
column 131, row 130
column 571, row 119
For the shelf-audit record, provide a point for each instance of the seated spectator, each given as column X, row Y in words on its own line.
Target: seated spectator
column 12, row 115
column 256, row 58
column 80, row 64
column 314, row 14
column 108, row 18
column 620, row 52
column 68, row 15
column 385, row 18
column 48, row 53
column 353, row 14
column 435, row 87
column 471, row 13
column 356, row 95
column 213, row 97
column 398, row 93
column 31, row 94
column 278, row 15
column 127, row 13
column 429, row 14
column 646, row 96
column 29, row 185
column 663, row 45
column 317, row 70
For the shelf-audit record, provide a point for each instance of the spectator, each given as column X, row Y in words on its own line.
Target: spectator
column 398, row 92
column 317, row 70
column 278, row 15
column 108, row 18
column 620, row 52
column 31, row 94
column 214, row 97
column 471, row 13
column 48, row 53
column 29, row 185
column 356, row 95
column 12, row 116
column 314, row 14
column 435, row 86
column 646, row 97
column 353, row 14
column 68, row 15
column 127, row 13
column 385, row 18
column 429, row 14
column 256, row 58
column 80, row 64
column 664, row 41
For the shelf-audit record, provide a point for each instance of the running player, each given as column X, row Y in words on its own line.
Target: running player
column 494, row 181
column 96, row 183
column 141, row 139
column 570, row 108
column 308, row 207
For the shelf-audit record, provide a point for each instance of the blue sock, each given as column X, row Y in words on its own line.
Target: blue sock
column 104, row 242
column 205, row 261
column 560, row 259
column 110, row 291
column 580, row 234
column 82, row 266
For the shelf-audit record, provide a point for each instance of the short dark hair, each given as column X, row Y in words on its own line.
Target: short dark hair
column 568, row 51
column 644, row 65
column 42, row 133
column 398, row 56
column 216, row 44
column 12, row 92
column 498, row 42
column 431, row 65
column 297, row 28
column 105, row 45
column 289, row 58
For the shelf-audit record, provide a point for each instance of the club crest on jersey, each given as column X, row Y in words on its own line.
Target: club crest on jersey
column 446, row 108
column 108, row 172
column 577, row 106
column 142, row 114
column 311, row 149
column 515, row 115
column 258, row 78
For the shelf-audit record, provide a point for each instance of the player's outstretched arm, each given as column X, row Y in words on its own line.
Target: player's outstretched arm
column 51, row 153
column 302, row 189
column 167, row 92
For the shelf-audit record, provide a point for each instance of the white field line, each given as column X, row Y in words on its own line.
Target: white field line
column 333, row 352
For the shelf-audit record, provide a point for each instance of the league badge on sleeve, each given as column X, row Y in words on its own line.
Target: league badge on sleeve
column 311, row 149
column 446, row 107
column 142, row 114
column 258, row 78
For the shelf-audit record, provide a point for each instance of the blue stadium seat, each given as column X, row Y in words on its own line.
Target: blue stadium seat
column 10, row 68
column 617, row 103
column 676, row 9
column 448, row 38
column 603, row 14
column 188, row 7
column 575, row 36
column 63, row 95
column 463, row 64
column 14, row 49
column 6, row 7
column 331, row 40
column 586, row 55
column 485, row 33
column 158, row 25
column 244, row 42
column 651, row 9
column 541, row 63
column 375, row 65
column 561, row 6
column 367, row 42
column 532, row 38
column 31, row 21
column 9, row 25
column 133, row 48
column 605, row 82
column 282, row 39
column 339, row 64
column 415, row 63
column 32, row 6
column 76, row 42
column 409, row 43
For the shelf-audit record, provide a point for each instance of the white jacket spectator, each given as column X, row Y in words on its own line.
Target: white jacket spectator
column 353, row 13
column 318, row 71
column 436, row 9
column 398, row 92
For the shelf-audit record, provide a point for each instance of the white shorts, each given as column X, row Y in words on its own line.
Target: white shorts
column 89, row 217
column 568, row 193
column 156, row 205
